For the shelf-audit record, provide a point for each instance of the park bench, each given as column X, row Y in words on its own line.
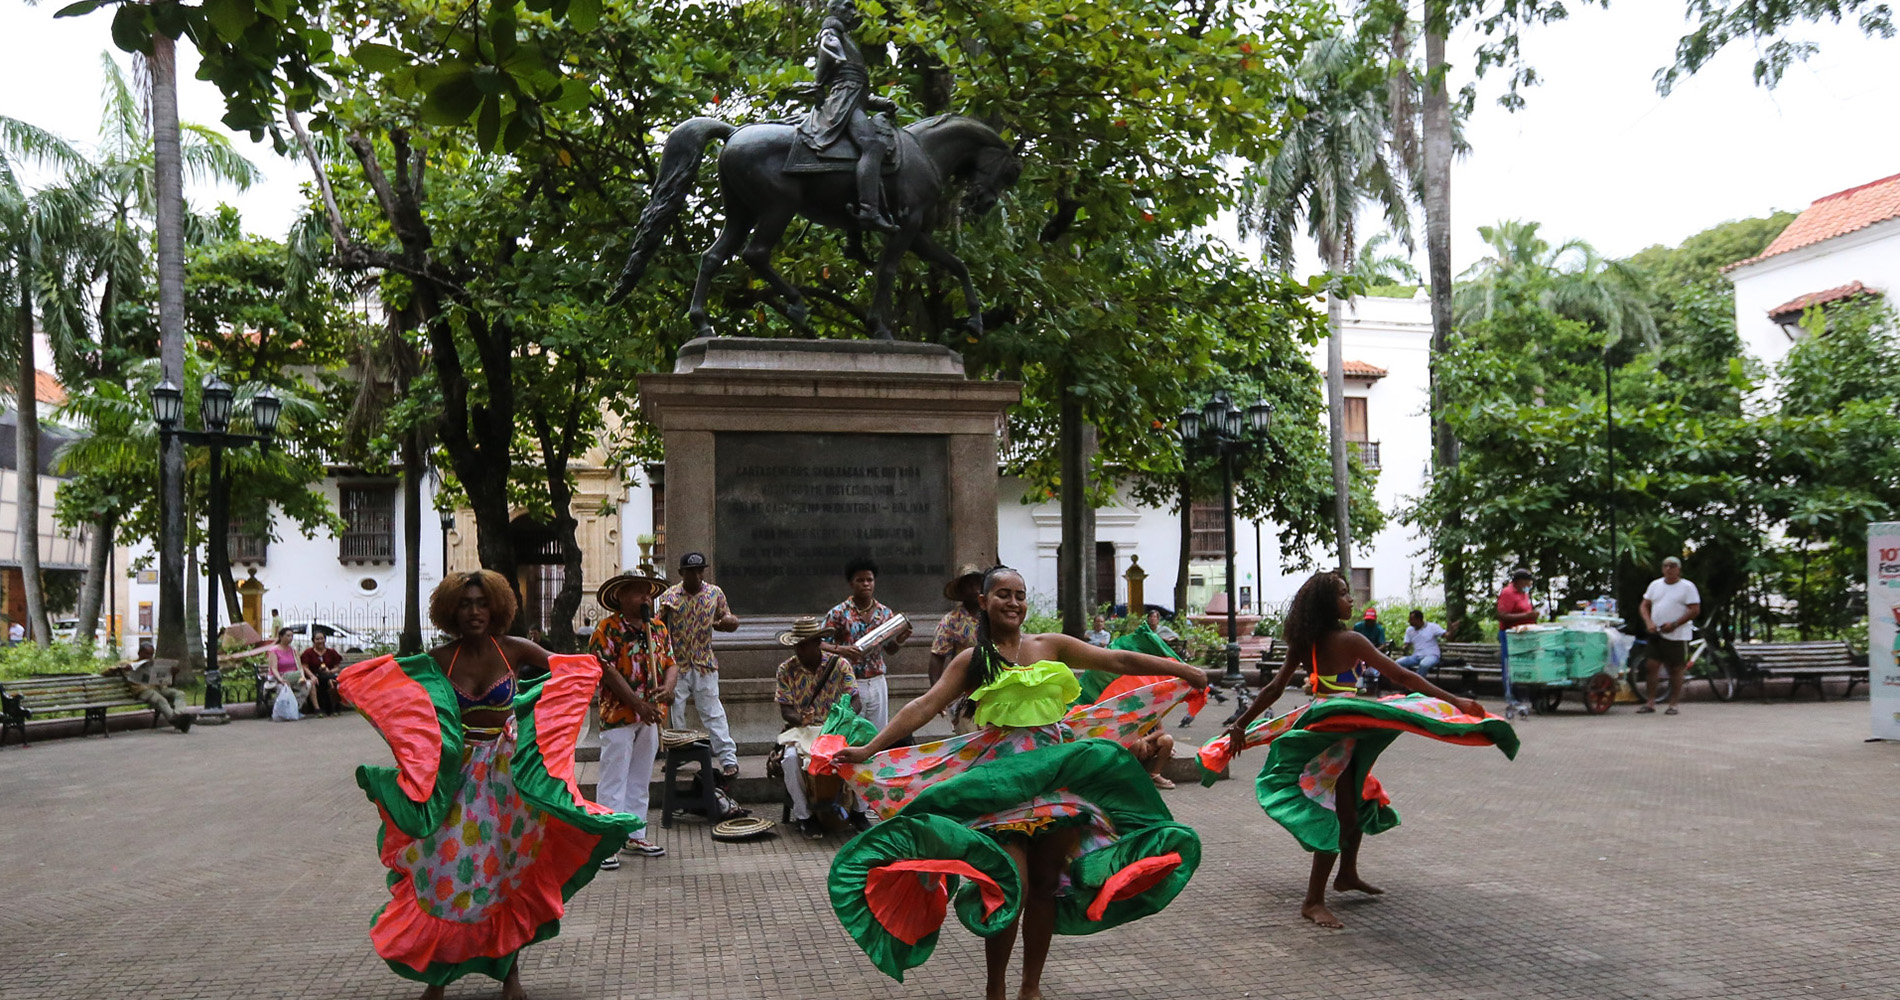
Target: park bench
column 90, row 693
column 1802, row 663
column 1470, row 662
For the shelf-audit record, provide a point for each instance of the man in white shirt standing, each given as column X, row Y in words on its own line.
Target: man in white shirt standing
column 1670, row 607
column 1423, row 637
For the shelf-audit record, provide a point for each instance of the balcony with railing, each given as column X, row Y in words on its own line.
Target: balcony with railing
column 369, row 524
column 246, row 547
column 1368, row 452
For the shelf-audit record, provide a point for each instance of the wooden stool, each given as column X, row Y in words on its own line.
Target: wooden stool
column 700, row 752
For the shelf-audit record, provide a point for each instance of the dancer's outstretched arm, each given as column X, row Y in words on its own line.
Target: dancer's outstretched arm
column 913, row 716
column 1268, row 695
column 1365, row 652
column 1085, row 656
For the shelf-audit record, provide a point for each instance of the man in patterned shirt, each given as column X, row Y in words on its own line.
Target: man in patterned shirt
column 809, row 682
column 851, row 618
column 631, row 644
column 956, row 632
column 692, row 610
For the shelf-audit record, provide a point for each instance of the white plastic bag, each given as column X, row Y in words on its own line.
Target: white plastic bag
column 284, row 709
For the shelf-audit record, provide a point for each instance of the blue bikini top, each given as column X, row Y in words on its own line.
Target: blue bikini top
column 501, row 695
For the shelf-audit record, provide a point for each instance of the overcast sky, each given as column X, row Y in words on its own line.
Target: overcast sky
column 1597, row 154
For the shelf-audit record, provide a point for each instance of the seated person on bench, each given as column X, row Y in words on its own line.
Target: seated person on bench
column 810, row 681
column 1423, row 637
column 153, row 686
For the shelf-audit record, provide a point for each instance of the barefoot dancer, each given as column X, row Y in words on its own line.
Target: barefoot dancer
column 1015, row 806
column 1322, row 753
column 483, row 834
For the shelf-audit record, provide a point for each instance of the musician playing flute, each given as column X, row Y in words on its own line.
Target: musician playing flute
column 848, row 621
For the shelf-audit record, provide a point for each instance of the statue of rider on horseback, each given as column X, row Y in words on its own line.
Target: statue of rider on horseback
column 843, row 112
column 839, row 167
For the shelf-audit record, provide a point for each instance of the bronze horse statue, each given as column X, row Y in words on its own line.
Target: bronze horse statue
column 762, row 198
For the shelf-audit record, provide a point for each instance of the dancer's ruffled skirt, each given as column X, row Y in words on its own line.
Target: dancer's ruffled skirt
column 948, row 806
column 485, row 841
column 1331, row 743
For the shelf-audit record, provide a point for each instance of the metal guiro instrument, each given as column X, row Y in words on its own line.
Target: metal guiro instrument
column 881, row 634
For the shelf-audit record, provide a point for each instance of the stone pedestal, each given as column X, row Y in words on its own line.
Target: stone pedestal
column 787, row 458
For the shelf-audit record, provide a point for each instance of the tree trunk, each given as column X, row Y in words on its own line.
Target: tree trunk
column 194, row 622
column 170, row 208
column 1336, row 414
column 410, row 642
column 1187, row 547
column 27, row 467
column 1437, row 205
column 1078, row 543
column 98, row 568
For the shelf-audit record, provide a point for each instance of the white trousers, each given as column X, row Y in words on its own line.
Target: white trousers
column 700, row 690
column 875, row 698
column 795, row 788
column 626, row 768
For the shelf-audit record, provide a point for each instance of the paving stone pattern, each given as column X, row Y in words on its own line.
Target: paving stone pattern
column 1738, row 850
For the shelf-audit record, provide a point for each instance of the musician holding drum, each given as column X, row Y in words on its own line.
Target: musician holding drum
column 810, row 681
column 850, row 621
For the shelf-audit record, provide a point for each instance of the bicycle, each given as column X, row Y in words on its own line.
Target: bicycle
column 1720, row 670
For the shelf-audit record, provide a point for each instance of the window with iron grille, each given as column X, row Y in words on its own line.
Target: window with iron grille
column 1208, row 522
column 1361, row 586
column 246, row 544
column 369, row 523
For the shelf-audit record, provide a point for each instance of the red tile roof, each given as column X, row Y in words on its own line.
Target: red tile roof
column 47, row 389
column 1837, row 214
column 1359, row 369
column 1800, row 305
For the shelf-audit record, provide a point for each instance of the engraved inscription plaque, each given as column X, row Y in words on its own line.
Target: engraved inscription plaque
column 792, row 509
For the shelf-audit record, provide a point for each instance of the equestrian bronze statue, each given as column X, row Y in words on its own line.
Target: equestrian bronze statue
column 838, row 167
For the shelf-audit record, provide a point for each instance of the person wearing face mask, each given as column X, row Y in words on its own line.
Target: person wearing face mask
column 486, row 839
column 1031, row 797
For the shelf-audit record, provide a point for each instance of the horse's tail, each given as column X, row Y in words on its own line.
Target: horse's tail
column 679, row 170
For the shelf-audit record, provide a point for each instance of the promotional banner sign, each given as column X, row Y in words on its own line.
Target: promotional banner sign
column 1883, row 628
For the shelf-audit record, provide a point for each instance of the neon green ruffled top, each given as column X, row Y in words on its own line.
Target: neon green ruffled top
column 1035, row 694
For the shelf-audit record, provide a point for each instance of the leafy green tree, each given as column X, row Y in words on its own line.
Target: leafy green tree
column 1717, row 24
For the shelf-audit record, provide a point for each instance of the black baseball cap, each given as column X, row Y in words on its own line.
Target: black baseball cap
column 693, row 560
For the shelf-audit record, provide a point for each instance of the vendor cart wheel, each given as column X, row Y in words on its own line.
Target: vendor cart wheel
column 1546, row 702
column 1599, row 693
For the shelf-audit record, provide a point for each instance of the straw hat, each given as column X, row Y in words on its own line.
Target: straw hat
column 743, row 828
column 801, row 630
column 609, row 593
column 967, row 571
column 671, row 739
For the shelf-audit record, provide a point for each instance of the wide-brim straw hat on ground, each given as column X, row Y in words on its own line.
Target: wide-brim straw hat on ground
column 673, row 738
column 609, row 593
column 801, row 630
column 967, row 571
column 743, row 828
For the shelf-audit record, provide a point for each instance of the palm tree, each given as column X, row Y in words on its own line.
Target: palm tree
column 1376, row 267
column 1570, row 279
column 39, row 232
column 1333, row 161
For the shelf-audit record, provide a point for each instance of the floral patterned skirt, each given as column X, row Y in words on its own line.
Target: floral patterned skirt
column 485, row 841
column 946, row 805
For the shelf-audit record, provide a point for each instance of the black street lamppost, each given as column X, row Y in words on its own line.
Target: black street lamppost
column 214, row 413
column 1222, row 429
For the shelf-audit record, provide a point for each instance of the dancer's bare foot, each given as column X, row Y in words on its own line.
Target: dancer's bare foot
column 1030, row 993
column 1319, row 914
column 511, row 986
column 1356, row 884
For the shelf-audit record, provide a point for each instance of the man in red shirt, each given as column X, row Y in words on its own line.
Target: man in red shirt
column 1514, row 609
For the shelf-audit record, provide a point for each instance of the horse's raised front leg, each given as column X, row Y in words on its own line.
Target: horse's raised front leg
column 935, row 253
column 895, row 246
column 730, row 239
column 758, row 256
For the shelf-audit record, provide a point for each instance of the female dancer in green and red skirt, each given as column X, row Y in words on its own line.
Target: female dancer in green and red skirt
column 1046, row 810
column 485, row 832
column 1317, row 781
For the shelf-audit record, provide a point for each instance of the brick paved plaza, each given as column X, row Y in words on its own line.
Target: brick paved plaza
column 1739, row 850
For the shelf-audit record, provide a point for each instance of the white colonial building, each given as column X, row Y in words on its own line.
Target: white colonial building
column 1845, row 245
column 1388, row 351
